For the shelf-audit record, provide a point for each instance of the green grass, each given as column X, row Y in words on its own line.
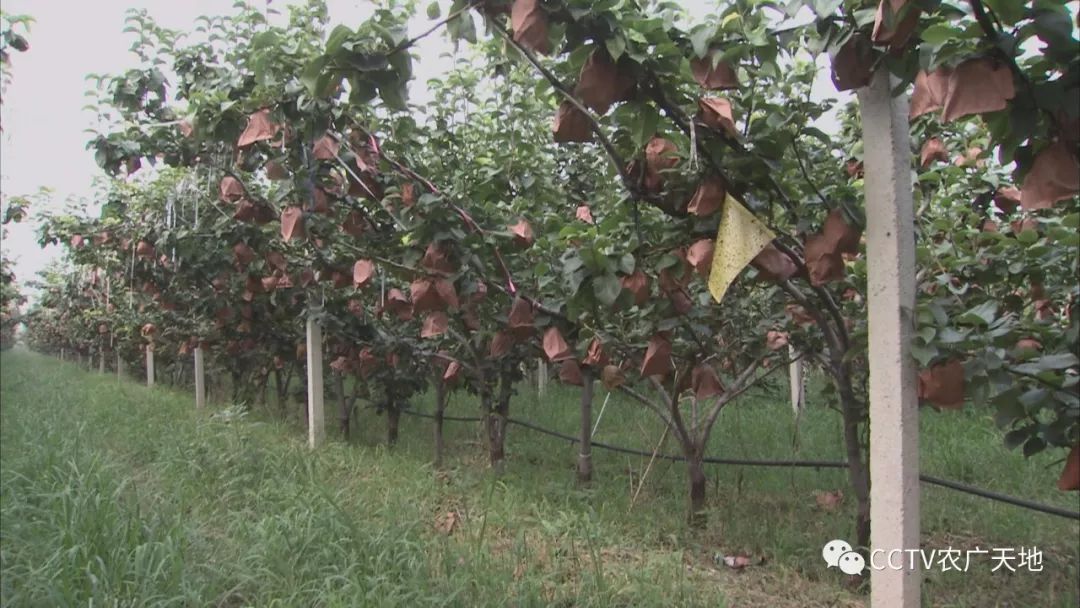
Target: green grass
column 113, row 494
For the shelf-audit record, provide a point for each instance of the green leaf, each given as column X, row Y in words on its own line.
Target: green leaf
column 337, row 37
column 1008, row 11
column 1048, row 362
column 924, row 354
column 606, row 288
column 825, row 8
column 983, row 314
column 433, row 10
column 700, row 38
column 616, row 45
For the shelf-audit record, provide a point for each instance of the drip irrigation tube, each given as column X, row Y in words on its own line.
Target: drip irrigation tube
column 809, row 464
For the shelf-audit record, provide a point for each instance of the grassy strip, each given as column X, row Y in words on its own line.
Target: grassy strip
column 115, row 494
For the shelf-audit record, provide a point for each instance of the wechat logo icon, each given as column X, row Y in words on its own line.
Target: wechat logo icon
column 838, row 553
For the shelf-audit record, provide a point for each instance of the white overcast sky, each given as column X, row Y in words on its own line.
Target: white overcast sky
column 43, row 143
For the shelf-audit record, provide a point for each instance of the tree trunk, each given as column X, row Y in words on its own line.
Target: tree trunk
column 495, row 421
column 440, row 408
column 584, row 463
column 345, row 413
column 696, row 471
column 393, row 418
column 858, row 469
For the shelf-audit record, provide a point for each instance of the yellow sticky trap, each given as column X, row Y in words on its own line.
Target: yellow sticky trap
column 740, row 238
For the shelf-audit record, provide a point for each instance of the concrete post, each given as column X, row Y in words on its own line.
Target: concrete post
column 149, row 365
column 200, row 380
column 119, row 367
column 894, row 407
column 316, row 426
column 795, row 374
column 101, row 361
column 541, row 377
column 62, row 354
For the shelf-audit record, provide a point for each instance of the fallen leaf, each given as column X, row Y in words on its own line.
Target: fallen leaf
column 584, row 214
column 830, row 501
column 447, row 522
column 737, row 562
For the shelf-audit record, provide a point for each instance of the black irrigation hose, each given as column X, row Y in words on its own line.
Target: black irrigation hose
column 812, row 464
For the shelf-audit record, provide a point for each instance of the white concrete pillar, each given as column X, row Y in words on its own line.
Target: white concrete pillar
column 101, row 361
column 78, row 358
column 795, row 379
column 316, row 426
column 149, row 365
column 62, row 354
column 894, row 407
column 200, row 380
column 119, row 366
column 541, row 377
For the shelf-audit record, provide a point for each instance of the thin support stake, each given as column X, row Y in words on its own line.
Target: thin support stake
column 600, row 415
